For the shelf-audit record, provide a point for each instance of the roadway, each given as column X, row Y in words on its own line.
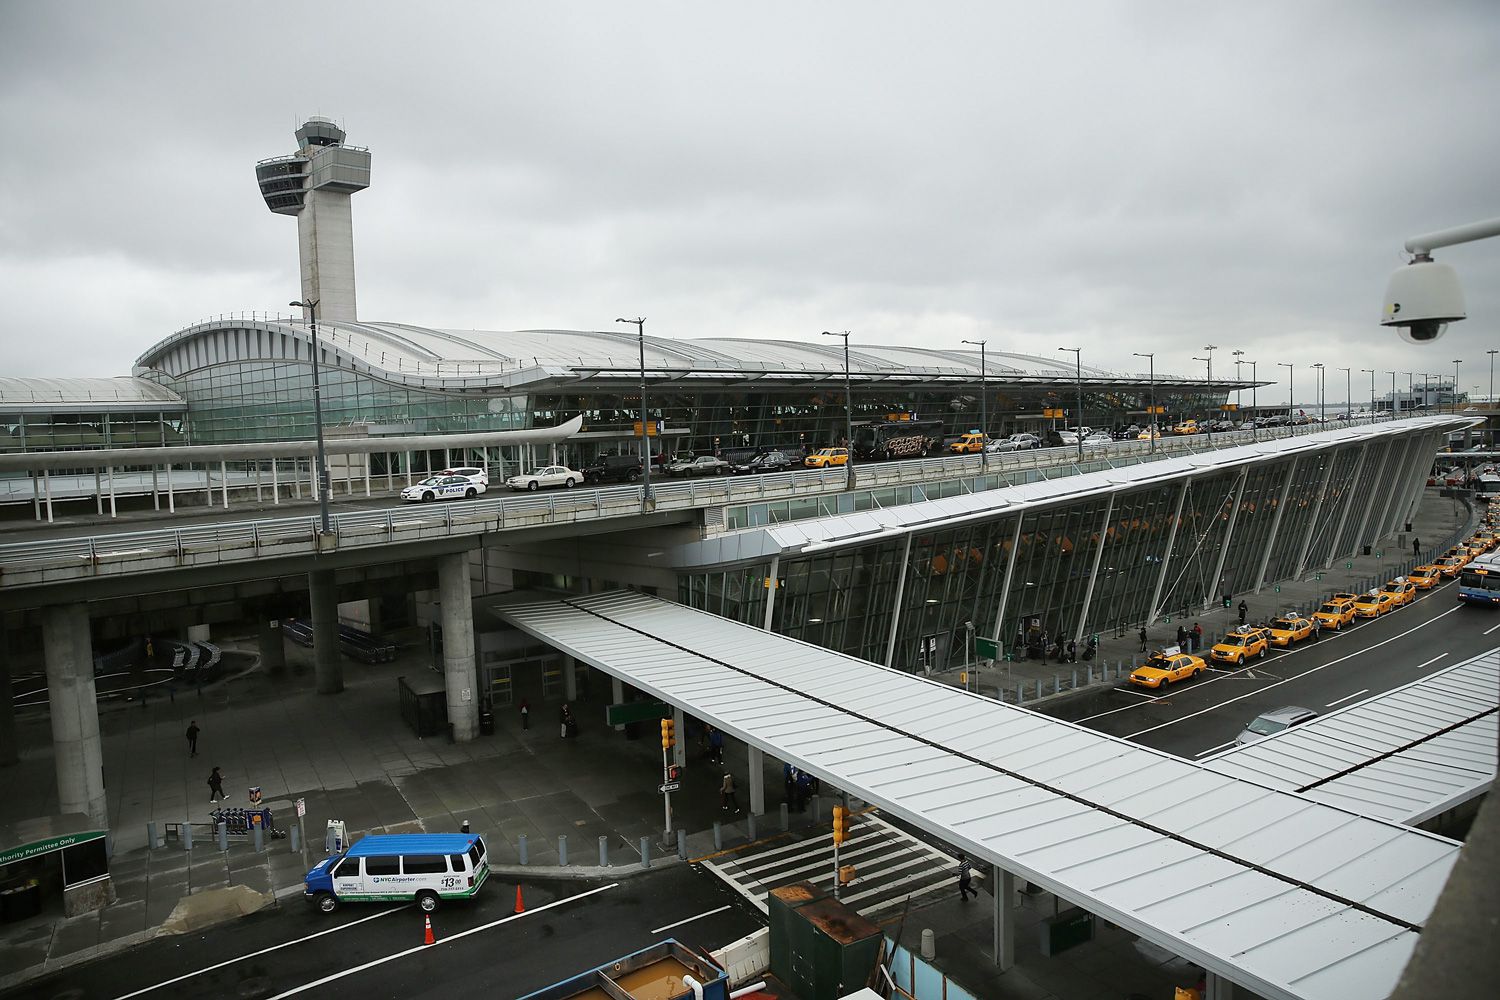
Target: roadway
column 1194, row 718
column 483, row 947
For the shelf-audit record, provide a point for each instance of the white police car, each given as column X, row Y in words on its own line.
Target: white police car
column 442, row 488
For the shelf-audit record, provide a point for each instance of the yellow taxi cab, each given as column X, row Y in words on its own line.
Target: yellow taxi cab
column 1241, row 644
column 1186, row 427
column 1477, row 546
column 1449, row 566
column 1400, row 591
column 967, row 444
column 1425, row 577
column 1149, row 434
column 1490, row 538
column 1164, row 668
column 1287, row 630
column 1335, row 615
column 1461, row 553
column 1374, row 604
column 824, row 458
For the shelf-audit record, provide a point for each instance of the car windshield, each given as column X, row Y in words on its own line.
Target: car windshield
column 1332, row 609
column 432, row 481
column 1266, row 727
column 1283, row 623
column 1159, row 662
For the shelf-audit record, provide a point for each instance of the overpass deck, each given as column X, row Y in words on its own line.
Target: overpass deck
column 1280, row 894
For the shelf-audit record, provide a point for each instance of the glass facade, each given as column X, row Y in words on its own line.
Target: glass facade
column 1082, row 563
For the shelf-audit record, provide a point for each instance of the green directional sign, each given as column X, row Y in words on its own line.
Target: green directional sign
column 987, row 647
column 635, row 711
column 1278, row 588
column 1317, row 576
column 1348, row 565
column 1380, row 553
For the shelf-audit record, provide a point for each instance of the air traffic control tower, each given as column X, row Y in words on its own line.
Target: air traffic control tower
column 314, row 184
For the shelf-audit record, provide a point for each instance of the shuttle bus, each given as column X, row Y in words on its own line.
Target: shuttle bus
column 1479, row 582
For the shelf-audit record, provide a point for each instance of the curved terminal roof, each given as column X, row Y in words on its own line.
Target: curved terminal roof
column 124, row 392
column 523, row 359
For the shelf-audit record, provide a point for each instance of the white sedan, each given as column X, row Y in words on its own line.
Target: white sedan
column 551, row 475
column 441, row 488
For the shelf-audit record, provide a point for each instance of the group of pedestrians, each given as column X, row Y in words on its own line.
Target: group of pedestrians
column 1189, row 640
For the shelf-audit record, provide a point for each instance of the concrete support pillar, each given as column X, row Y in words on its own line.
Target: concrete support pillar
column 456, row 597
column 69, row 653
column 272, row 648
column 9, row 753
column 570, row 679
column 1005, row 918
column 1218, row 988
column 757, row 783
column 617, row 695
column 679, row 751
column 324, row 597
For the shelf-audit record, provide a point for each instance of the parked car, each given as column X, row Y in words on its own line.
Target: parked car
column 971, row 443
column 1165, row 668
column 400, row 868
column 701, row 465
column 1187, row 427
column 1148, row 434
column 1067, row 437
column 441, row 488
column 824, row 458
column 473, row 473
column 1016, row 442
column 769, row 461
column 1098, row 439
column 546, row 476
column 1289, row 629
column 1334, row 615
column 1241, row 644
column 613, row 469
column 1273, row 722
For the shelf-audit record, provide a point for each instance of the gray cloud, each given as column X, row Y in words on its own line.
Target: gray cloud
column 1151, row 176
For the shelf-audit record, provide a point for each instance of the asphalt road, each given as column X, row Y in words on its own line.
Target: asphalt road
column 483, row 947
column 1195, row 717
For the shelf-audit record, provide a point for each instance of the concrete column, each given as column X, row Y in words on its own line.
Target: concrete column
column 1005, row 918
column 457, row 601
column 8, row 750
column 757, row 783
column 679, row 752
column 69, row 653
column 272, row 648
column 327, row 663
column 570, row 679
column 1218, row 988
column 617, row 695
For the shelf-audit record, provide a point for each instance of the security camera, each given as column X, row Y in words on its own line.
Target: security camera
column 1421, row 299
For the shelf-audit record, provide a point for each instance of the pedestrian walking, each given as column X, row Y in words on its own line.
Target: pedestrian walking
column 965, row 879
column 715, row 746
column 192, row 738
column 1317, row 632
column 1197, row 637
column 1416, row 548
column 1182, row 639
column 525, row 714
column 1143, row 638
column 562, row 722
column 570, row 722
column 1072, row 651
column 1244, row 612
column 216, row 786
column 727, row 795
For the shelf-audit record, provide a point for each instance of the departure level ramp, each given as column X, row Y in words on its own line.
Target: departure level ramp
column 1282, row 895
column 890, row 865
column 1405, row 755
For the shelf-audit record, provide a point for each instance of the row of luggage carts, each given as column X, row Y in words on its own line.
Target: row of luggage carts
column 355, row 643
column 240, row 822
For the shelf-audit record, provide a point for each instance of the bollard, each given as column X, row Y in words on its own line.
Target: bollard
column 1020, row 692
column 929, row 944
column 296, row 840
column 1091, row 676
column 1075, row 677
column 718, row 836
column 603, row 851
column 151, row 843
column 562, row 849
column 786, row 819
column 522, row 847
column 645, row 852
column 223, row 836
column 464, row 828
column 750, row 824
column 681, row 844
column 1038, row 687
column 187, row 835
column 259, row 835
column 817, row 801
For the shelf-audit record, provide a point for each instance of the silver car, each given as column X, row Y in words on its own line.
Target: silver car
column 1273, row 722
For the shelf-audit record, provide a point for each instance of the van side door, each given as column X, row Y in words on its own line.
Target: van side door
column 348, row 878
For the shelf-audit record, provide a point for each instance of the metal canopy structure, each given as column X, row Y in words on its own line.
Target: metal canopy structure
column 1283, row 895
column 1405, row 755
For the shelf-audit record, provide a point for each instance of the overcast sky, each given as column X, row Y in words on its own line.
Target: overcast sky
column 1117, row 176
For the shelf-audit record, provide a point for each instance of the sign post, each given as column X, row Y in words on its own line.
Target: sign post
column 302, row 827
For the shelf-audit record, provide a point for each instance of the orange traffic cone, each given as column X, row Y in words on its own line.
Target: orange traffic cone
column 427, row 937
column 520, row 907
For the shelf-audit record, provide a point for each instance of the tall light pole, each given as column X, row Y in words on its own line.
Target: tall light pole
column 1410, row 391
column 1151, row 428
column 640, row 335
column 1393, row 394
column 1348, row 393
column 1456, row 363
column 1078, row 376
column 848, row 414
column 984, row 424
column 1371, row 372
column 1238, row 397
column 1255, row 421
column 1210, row 359
column 311, row 305
column 1492, row 352
column 1322, row 387
column 1290, row 388
column 1426, row 389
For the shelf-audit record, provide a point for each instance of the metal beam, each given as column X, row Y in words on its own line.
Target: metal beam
column 1317, row 512
column 890, row 642
column 1338, row 532
column 1286, row 492
column 1166, row 558
column 1234, row 516
column 1088, row 593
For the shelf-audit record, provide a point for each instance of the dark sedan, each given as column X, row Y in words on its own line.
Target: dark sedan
column 771, row 461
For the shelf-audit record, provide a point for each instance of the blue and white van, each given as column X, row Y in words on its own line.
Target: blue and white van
column 424, row 868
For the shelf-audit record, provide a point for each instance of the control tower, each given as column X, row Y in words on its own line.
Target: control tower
column 314, row 184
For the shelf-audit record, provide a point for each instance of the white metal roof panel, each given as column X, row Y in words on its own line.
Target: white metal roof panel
column 1268, row 888
column 1403, row 755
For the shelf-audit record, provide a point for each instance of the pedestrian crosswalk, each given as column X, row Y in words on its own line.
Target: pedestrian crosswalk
column 890, row 866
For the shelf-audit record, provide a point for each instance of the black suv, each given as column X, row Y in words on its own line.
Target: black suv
column 613, row 469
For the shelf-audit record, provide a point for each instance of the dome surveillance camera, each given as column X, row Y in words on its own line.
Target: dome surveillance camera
column 1421, row 299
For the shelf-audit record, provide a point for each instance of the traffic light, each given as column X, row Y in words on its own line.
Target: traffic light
column 1227, row 599
column 668, row 737
column 840, row 824
column 673, row 772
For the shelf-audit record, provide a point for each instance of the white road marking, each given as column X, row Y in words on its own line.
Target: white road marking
column 688, row 920
column 442, row 941
column 1304, row 673
column 1491, row 629
column 1221, row 746
column 1140, row 694
column 1431, row 661
column 266, row 951
column 1348, row 696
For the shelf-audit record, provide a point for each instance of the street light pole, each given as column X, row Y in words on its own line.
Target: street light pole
column 984, row 424
column 848, row 414
column 1322, row 384
column 1290, row 388
column 1492, row 352
column 1348, row 394
column 1151, row 428
column 1254, row 386
column 1210, row 359
column 1238, row 392
column 1078, row 425
column 1456, row 363
column 1393, row 394
column 1371, row 372
column 640, row 335
column 311, row 305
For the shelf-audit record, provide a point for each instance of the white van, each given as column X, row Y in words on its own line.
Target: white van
column 424, row 868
